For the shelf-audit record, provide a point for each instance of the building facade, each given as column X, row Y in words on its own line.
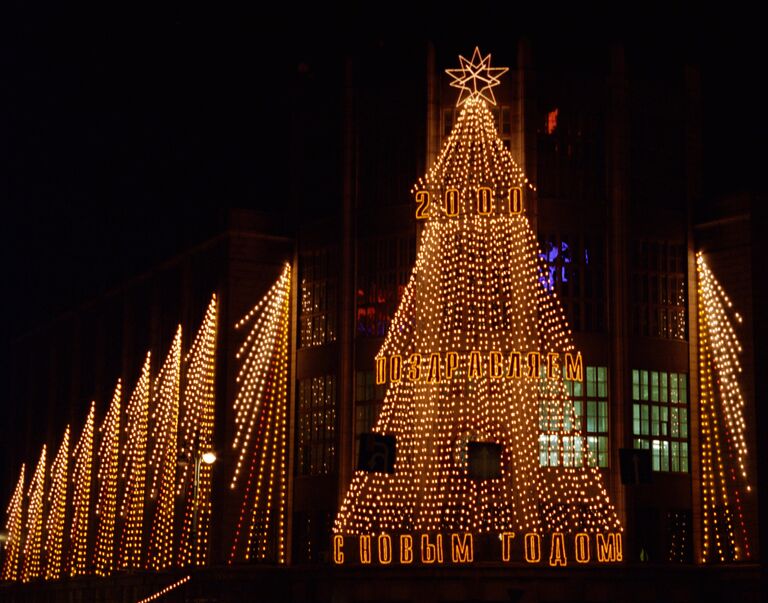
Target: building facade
column 620, row 212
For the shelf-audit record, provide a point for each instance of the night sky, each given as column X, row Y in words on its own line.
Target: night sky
column 127, row 130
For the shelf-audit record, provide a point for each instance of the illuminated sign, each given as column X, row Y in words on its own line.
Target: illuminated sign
column 438, row 367
column 485, row 203
column 556, row 549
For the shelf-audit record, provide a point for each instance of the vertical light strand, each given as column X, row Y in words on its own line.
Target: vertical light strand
column 14, row 526
column 163, row 459
column 81, row 498
column 57, row 511
column 723, row 425
column 133, row 473
column 261, row 412
column 196, row 438
column 32, row 567
column 106, row 502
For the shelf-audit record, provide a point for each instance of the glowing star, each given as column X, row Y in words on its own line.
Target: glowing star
column 476, row 78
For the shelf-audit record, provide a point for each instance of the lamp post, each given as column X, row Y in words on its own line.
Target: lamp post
column 208, row 457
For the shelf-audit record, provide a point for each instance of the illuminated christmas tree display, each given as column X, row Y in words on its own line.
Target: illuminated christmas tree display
column 81, row 498
column 162, row 460
column 261, row 413
column 476, row 355
column 57, row 511
column 196, row 438
column 134, row 473
column 34, row 532
column 723, row 440
column 106, row 503
column 13, row 527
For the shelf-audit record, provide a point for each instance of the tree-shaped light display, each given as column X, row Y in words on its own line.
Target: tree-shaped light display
column 32, row 567
column 81, row 498
column 57, row 511
column 106, row 503
column 261, row 411
column 475, row 355
column 723, row 441
column 196, row 438
column 163, row 461
column 134, row 472
column 14, row 526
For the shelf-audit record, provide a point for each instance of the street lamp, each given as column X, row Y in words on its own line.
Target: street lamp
column 208, row 457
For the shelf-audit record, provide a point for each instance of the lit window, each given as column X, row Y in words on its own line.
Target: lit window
column 588, row 424
column 660, row 418
column 552, row 121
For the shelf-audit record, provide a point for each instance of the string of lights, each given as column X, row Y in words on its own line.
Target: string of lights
column 133, row 473
column 14, row 526
column 34, row 533
column 197, row 438
column 106, row 502
column 723, row 426
column 57, row 511
column 261, row 412
column 476, row 287
column 81, row 498
column 163, row 458
column 166, row 590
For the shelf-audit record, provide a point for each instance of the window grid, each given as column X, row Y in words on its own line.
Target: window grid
column 574, row 268
column 660, row 418
column 590, row 422
column 317, row 426
column 317, row 311
column 384, row 268
column 659, row 289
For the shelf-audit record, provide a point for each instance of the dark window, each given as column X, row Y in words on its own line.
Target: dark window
column 659, row 289
column 384, row 269
column 317, row 311
column 317, row 426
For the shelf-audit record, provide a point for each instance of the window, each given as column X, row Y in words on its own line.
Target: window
column 679, row 539
column 384, row 267
column 589, row 420
column 368, row 400
column 570, row 150
column 317, row 313
column 660, row 418
column 574, row 267
column 317, row 426
column 659, row 289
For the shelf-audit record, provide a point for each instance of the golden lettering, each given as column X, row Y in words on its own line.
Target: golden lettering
column 433, row 375
column 406, row 548
column 495, row 367
column 396, row 368
column 506, row 545
column 381, row 370
column 365, row 549
column 414, row 367
column 532, row 547
column 338, row 548
column 581, row 544
column 452, row 363
column 475, row 365
column 557, row 554
column 462, row 550
column 574, row 370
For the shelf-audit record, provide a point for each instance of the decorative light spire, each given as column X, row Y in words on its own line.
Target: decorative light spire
column 476, row 78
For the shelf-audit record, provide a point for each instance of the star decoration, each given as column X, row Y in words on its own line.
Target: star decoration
column 476, row 78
